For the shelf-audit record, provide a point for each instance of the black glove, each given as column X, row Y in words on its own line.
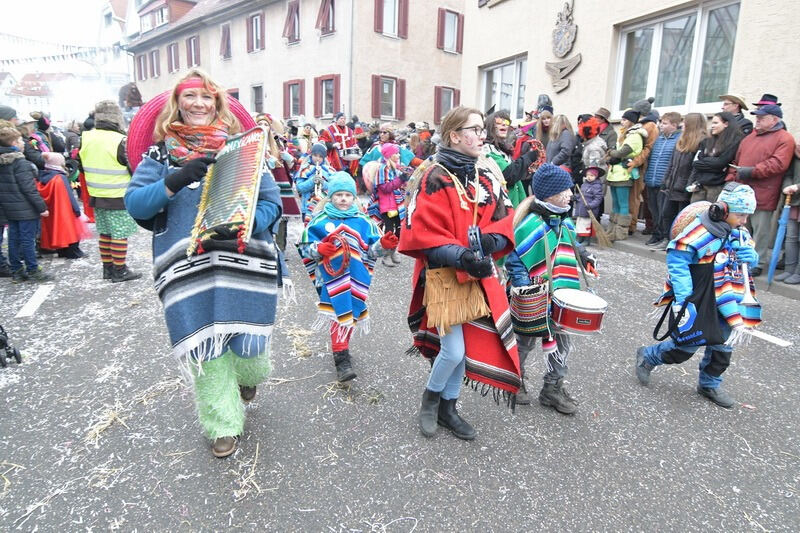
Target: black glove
column 614, row 161
column 192, row 171
column 477, row 268
column 488, row 243
column 744, row 172
column 530, row 157
column 225, row 233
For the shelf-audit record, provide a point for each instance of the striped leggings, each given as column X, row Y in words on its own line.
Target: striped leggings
column 113, row 250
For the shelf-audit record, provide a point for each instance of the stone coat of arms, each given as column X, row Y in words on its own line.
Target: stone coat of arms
column 565, row 32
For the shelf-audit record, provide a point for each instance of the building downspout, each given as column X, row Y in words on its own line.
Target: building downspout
column 350, row 58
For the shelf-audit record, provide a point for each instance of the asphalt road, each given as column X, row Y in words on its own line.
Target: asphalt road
column 98, row 432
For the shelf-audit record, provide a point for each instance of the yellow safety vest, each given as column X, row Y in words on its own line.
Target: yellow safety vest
column 105, row 177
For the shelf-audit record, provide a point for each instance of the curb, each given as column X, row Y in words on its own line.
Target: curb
column 634, row 244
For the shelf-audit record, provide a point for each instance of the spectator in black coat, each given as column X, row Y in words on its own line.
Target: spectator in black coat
column 715, row 153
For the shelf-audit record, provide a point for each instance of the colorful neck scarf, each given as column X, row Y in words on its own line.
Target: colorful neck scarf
column 185, row 142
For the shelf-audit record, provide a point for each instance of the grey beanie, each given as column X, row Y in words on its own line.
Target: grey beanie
column 109, row 111
column 7, row 112
column 643, row 106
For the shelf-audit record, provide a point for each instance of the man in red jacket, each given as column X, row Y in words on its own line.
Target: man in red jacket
column 761, row 161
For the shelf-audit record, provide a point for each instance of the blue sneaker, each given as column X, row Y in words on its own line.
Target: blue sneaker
column 643, row 368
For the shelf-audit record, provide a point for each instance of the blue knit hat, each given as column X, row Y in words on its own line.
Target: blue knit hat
column 741, row 199
column 319, row 149
column 341, row 182
column 550, row 180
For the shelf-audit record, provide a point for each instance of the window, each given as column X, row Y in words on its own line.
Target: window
column 504, row 86
column 388, row 97
column 258, row 99
column 450, row 33
column 444, row 99
column 155, row 64
column 147, row 22
column 173, row 60
column 255, row 32
column 141, row 67
column 108, row 18
column 162, row 16
column 234, row 92
column 294, row 96
column 326, row 95
column 225, row 41
column 391, row 18
column 325, row 17
column 291, row 27
column 193, row 51
column 683, row 59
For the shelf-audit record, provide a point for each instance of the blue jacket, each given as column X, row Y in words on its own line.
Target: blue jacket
column 660, row 156
column 374, row 154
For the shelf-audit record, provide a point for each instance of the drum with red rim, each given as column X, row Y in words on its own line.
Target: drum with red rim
column 577, row 312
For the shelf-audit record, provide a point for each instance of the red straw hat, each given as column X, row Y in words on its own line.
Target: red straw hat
column 140, row 132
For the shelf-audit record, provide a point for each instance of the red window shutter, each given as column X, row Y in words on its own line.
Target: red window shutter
column 322, row 14
column 336, row 93
column 402, row 22
column 286, row 103
column 376, row 96
column 317, row 97
column 249, row 22
column 263, row 19
column 189, row 52
column 440, row 29
column 437, row 102
column 302, row 97
column 197, row 50
column 400, row 100
column 456, row 98
column 460, row 34
column 379, row 16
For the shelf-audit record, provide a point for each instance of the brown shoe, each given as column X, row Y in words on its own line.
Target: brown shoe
column 247, row 393
column 223, row 446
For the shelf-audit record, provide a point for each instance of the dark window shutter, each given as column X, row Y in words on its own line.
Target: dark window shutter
column 402, row 22
column 189, row 52
column 317, row 97
column 336, row 93
column 440, row 29
column 456, row 97
column 197, row 50
column 302, row 97
column 460, row 34
column 286, row 103
column 400, row 100
column 376, row 96
column 379, row 16
column 437, row 101
column 249, row 21
column 263, row 20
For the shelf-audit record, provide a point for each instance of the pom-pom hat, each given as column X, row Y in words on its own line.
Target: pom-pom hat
column 389, row 149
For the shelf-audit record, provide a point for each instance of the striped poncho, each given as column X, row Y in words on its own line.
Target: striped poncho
column 384, row 175
column 728, row 279
column 530, row 235
column 344, row 284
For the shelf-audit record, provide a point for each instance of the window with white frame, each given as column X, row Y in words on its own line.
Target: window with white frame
column 155, row 64
column 387, row 97
column 450, row 31
column 390, row 17
column 146, row 22
column 327, row 97
column 446, row 99
column 162, row 16
column 173, row 60
column 193, row 51
column 683, row 59
column 141, row 67
column 255, row 33
column 258, row 98
column 504, row 85
column 294, row 99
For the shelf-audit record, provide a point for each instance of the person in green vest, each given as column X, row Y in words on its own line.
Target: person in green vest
column 498, row 147
column 105, row 166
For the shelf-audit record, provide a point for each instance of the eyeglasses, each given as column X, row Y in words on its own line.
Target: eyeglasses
column 477, row 130
column 386, row 132
column 502, row 122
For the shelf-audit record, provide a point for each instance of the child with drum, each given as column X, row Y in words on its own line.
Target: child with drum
column 545, row 258
column 312, row 179
column 339, row 247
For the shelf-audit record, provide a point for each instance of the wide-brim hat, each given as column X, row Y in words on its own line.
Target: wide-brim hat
column 140, row 132
column 735, row 98
column 603, row 112
column 600, row 171
column 767, row 99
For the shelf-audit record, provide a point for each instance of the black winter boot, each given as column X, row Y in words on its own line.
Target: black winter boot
column 450, row 419
column 123, row 274
column 5, row 271
column 108, row 270
column 344, row 370
column 553, row 395
column 428, row 412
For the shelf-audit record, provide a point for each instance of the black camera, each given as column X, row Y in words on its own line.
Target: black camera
column 6, row 350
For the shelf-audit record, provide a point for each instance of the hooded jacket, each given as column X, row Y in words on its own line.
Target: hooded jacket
column 19, row 198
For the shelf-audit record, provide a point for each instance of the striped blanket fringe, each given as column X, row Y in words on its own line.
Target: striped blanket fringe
column 210, row 348
column 324, row 321
column 550, row 347
column 289, row 294
column 497, row 394
column 740, row 336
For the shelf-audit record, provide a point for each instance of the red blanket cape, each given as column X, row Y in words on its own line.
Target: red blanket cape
column 88, row 210
column 435, row 218
column 62, row 227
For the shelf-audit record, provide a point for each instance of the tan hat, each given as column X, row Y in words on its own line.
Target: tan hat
column 735, row 98
column 603, row 112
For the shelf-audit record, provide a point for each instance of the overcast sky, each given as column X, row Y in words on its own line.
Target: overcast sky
column 62, row 21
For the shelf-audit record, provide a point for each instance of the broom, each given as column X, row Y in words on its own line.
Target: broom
column 600, row 233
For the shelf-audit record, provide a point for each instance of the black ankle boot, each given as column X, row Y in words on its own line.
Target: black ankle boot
column 450, row 419
column 344, row 370
column 123, row 274
column 108, row 271
column 428, row 412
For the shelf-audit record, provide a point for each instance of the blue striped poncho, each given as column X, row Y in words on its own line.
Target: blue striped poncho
column 343, row 293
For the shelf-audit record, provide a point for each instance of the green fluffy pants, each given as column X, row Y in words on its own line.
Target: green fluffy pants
column 219, row 407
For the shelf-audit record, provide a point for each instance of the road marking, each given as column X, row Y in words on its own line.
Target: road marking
column 35, row 301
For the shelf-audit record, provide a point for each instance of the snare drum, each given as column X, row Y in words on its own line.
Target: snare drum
column 577, row 312
column 352, row 153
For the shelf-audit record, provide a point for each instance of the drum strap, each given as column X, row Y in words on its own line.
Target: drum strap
column 578, row 257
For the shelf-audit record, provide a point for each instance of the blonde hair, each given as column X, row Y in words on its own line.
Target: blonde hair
column 413, row 141
column 694, row 131
column 171, row 111
column 540, row 134
column 559, row 124
column 454, row 119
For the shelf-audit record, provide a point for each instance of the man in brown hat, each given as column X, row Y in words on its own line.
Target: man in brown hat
column 734, row 104
column 607, row 132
